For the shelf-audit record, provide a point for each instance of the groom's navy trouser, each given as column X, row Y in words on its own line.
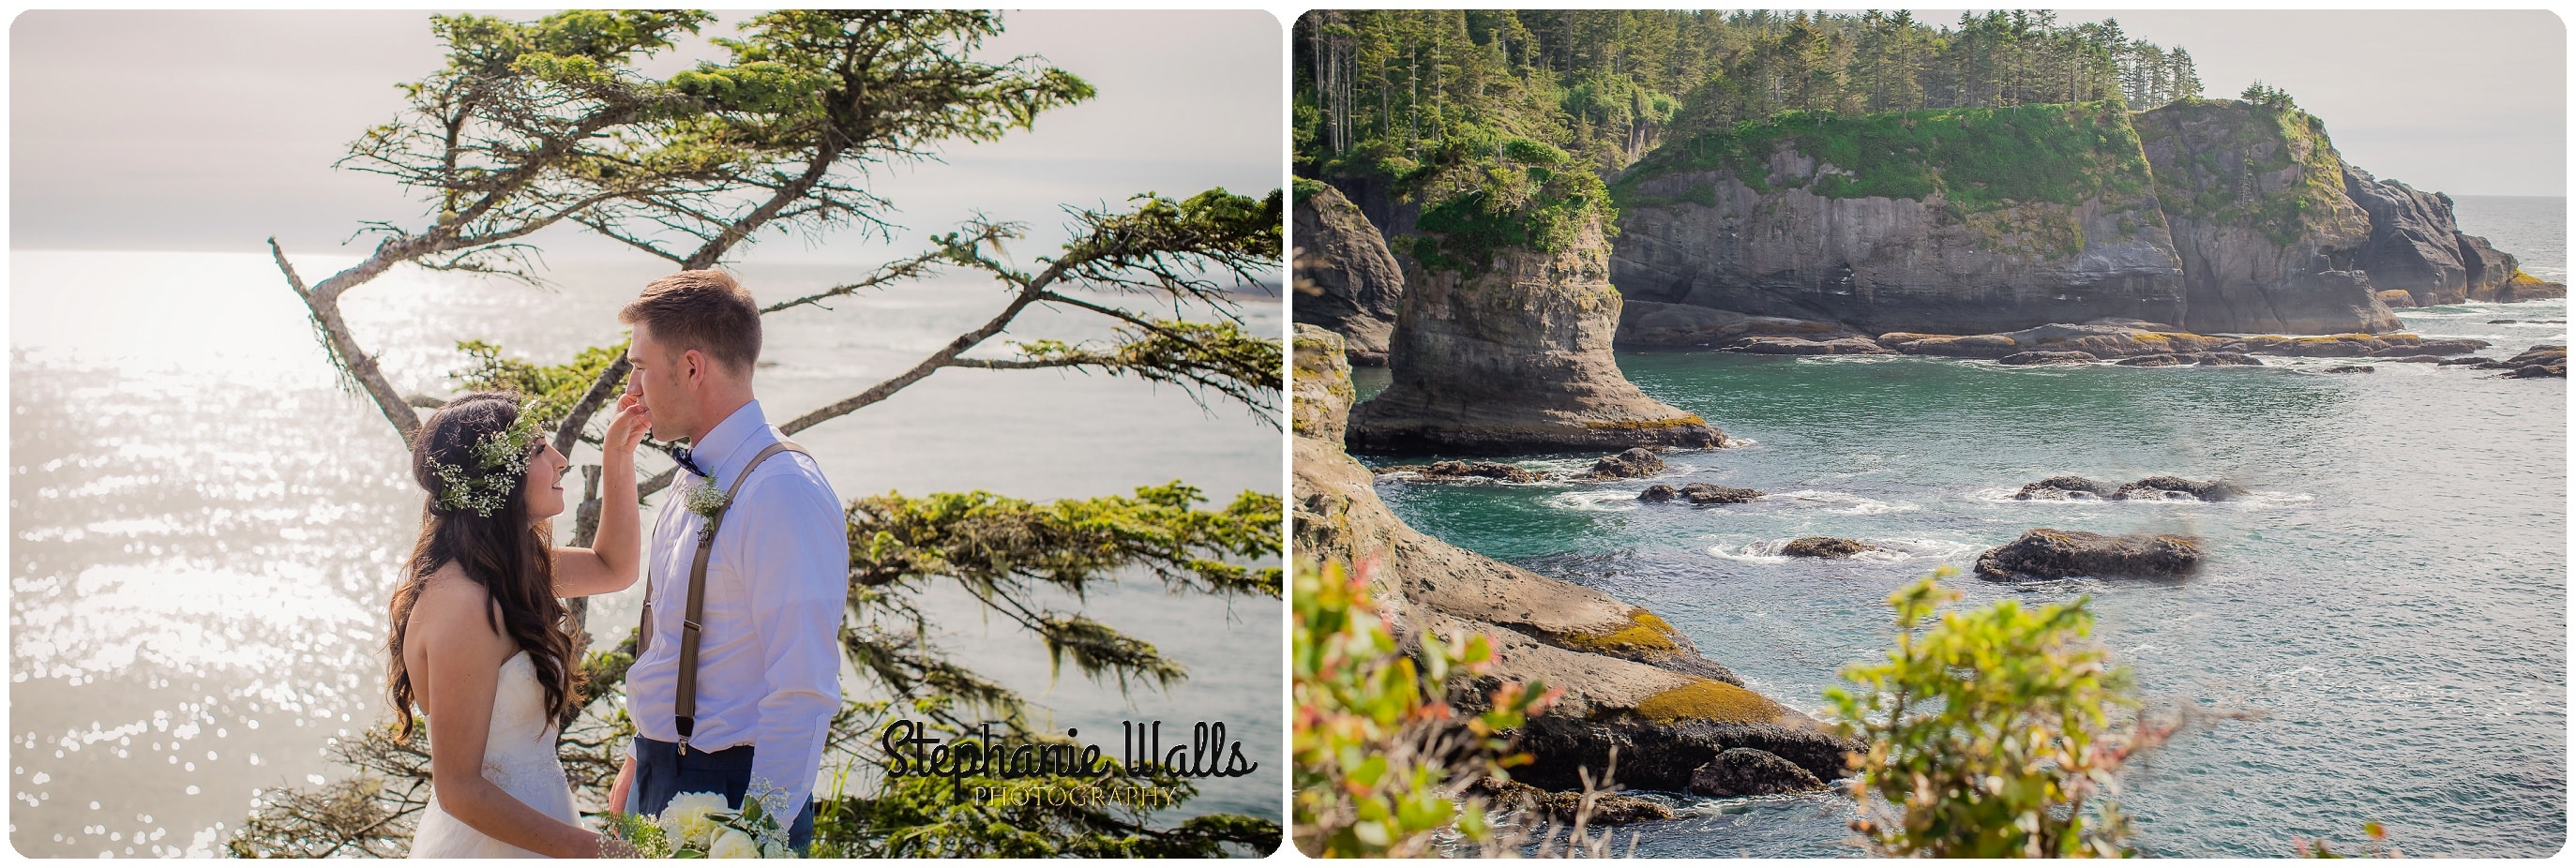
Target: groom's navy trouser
column 661, row 772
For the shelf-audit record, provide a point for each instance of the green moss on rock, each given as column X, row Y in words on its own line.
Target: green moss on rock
column 1704, row 699
column 1978, row 160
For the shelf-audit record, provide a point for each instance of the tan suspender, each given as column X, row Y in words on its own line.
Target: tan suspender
column 685, row 707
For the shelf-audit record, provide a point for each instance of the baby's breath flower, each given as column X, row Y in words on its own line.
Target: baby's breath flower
column 500, row 458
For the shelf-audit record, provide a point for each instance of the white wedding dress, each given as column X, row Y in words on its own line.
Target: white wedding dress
column 519, row 757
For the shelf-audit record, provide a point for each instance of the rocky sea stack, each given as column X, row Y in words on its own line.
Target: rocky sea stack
column 1509, row 353
column 1631, row 680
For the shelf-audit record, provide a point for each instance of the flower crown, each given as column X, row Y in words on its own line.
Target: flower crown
column 498, row 461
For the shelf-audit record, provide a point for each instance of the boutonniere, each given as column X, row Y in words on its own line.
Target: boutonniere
column 708, row 500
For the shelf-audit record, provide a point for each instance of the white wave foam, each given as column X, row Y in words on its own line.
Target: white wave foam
column 1883, row 551
column 2253, row 500
column 1597, row 500
column 1766, row 552
column 1839, row 503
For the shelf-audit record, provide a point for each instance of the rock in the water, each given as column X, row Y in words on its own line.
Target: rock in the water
column 1439, row 470
column 2063, row 488
column 1824, row 547
column 1851, row 346
column 2046, row 357
column 1512, row 356
column 1637, row 463
column 2521, row 287
column 2349, row 369
column 2159, row 360
column 1746, row 771
column 2433, row 360
column 1649, row 325
column 2047, row 553
column 2540, row 361
column 1608, row 809
column 2169, row 487
column 1346, row 280
column 2415, row 251
column 2225, row 358
column 1704, row 494
column 1658, row 494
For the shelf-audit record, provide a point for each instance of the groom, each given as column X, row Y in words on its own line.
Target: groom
column 770, row 581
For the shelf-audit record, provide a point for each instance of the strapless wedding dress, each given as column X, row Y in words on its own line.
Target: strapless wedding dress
column 519, row 757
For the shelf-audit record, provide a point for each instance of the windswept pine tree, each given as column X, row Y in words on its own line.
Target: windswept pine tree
column 533, row 124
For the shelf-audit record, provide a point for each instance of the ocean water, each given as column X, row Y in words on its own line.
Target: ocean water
column 2392, row 600
column 205, row 529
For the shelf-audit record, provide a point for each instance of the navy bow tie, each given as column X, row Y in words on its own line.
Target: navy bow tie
column 680, row 454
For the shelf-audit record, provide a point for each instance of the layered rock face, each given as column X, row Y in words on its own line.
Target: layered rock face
column 2267, row 237
column 1793, row 243
column 1631, row 680
column 1346, row 280
column 2416, row 245
column 1514, row 359
column 2213, row 216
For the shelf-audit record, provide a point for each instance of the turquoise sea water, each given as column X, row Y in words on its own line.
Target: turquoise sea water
column 2392, row 599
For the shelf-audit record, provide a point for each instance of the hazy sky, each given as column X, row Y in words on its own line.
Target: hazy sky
column 214, row 130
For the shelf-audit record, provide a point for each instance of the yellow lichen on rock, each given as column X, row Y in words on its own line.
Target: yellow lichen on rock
column 1703, row 699
column 1644, row 633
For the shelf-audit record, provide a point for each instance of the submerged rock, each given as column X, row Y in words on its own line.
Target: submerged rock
column 1443, row 470
column 2063, row 488
column 1704, row 494
column 2150, row 488
column 2540, row 361
column 1850, row 346
column 2162, row 487
column 1747, row 771
column 2047, row 553
column 1824, row 547
column 2047, row 357
column 2349, row 369
column 1637, row 463
column 1608, row 809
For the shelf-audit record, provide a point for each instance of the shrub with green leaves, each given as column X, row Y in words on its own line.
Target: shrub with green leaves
column 1991, row 732
column 1382, row 759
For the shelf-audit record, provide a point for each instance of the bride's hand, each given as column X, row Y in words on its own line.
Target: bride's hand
column 627, row 430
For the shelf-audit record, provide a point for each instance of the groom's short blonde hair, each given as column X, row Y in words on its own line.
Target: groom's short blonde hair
column 705, row 311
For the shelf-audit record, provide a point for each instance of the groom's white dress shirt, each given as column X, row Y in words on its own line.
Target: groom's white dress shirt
column 769, row 658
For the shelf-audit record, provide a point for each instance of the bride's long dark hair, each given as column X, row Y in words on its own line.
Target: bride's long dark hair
column 510, row 554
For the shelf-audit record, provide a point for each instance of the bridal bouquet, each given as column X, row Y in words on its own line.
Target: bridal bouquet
column 702, row 826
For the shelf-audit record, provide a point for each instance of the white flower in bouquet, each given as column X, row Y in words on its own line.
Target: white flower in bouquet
column 732, row 843
column 777, row 850
column 689, row 821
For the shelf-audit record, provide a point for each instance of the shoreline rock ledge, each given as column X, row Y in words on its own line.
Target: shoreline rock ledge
column 1632, row 682
column 1515, row 358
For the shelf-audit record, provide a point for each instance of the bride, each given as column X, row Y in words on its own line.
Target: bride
column 481, row 642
